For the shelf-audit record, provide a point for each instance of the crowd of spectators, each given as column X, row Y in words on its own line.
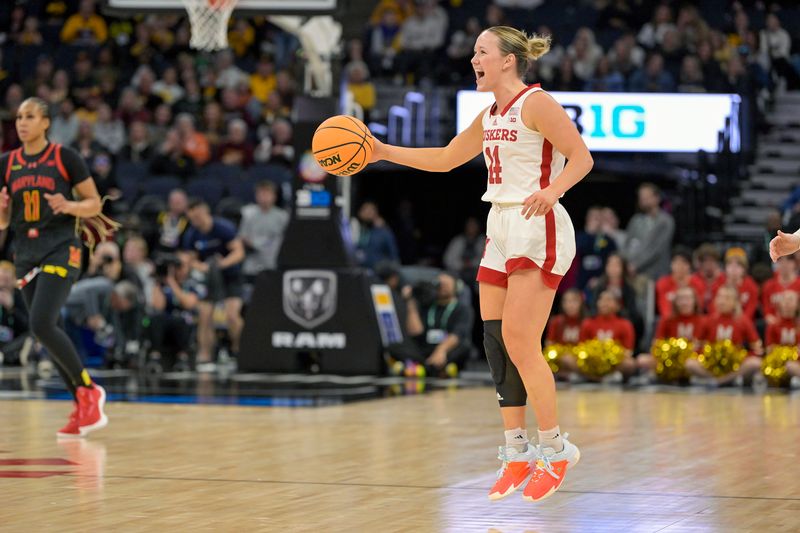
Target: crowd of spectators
column 620, row 45
column 131, row 91
column 166, row 131
column 157, row 122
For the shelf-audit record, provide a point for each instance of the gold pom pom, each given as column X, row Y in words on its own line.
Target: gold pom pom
column 670, row 356
column 722, row 357
column 596, row 358
column 553, row 353
column 774, row 364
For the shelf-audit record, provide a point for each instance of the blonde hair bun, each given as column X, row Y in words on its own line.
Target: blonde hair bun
column 538, row 45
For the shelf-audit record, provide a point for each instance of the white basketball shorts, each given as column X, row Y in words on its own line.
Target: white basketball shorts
column 513, row 243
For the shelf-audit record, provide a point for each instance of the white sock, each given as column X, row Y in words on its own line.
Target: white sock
column 517, row 439
column 551, row 438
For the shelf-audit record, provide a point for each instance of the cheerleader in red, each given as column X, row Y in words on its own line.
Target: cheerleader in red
column 728, row 323
column 680, row 276
column 565, row 328
column 783, row 330
column 685, row 321
column 787, row 244
column 785, row 279
column 608, row 325
column 707, row 271
column 736, row 276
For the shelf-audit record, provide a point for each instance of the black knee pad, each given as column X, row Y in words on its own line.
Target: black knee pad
column 510, row 389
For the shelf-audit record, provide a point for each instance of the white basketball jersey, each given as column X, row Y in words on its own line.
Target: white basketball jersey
column 520, row 160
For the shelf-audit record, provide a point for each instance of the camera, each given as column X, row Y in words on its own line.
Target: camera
column 163, row 262
column 106, row 259
column 424, row 292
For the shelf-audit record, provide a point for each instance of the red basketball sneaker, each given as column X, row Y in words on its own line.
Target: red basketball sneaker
column 90, row 409
column 549, row 471
column 515, row 470
column 71, row 430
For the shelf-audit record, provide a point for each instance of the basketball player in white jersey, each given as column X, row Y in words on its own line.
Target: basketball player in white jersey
column 525, row 138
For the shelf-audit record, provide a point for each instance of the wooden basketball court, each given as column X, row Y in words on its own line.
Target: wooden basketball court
column 665, row 462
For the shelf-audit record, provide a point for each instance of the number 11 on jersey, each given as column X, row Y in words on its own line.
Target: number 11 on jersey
column 32, row 205
column 493, row 155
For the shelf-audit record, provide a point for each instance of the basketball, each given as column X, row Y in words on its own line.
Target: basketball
column 342, row 145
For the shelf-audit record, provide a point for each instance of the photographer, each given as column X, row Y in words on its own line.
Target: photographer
column 219, row 253
column 176, row 295
column 101, row 315
column 443, row 344
column 106, row 262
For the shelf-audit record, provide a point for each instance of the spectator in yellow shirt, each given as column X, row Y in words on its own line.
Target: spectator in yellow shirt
column 263, row 81
column 403, row 9
column 362, row 89
column 241, row 37
column 85, row 26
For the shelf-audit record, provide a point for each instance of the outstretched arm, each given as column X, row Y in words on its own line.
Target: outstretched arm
column 461, row 149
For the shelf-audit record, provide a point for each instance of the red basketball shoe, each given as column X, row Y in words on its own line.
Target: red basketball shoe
column 549, row 471
column 515, row 470
column 90, row 409
column 71, row 430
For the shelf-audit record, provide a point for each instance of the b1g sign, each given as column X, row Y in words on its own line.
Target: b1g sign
column 634, row 122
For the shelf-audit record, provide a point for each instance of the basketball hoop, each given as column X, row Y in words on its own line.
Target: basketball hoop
column 209, row 20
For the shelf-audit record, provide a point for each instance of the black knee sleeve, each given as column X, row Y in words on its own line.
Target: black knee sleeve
column 510, row 389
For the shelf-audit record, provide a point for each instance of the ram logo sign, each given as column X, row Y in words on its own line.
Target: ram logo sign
column 309, row 296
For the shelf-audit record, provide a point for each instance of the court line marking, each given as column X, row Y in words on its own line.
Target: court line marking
column 445, row 487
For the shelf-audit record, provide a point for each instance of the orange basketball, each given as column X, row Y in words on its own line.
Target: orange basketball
column 342, row 145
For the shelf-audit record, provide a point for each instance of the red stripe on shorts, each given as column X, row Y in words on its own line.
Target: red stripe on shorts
column 549, row 218
column 492, row 277
column 524, row 263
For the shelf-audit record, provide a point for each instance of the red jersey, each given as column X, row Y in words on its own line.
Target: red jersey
column 740, row 330
column 682, row 326
column 770, row 290
column 666, row 286
column 783, row 333
column 564, row 330
column 700, row 281
column 748, row 295
column 609, row 327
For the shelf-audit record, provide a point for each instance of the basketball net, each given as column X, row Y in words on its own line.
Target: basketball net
column 209, row 20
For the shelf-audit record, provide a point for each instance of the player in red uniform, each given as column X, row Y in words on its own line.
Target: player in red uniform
column 526, row 139
column 736, row 276
column 685, row 322
column 37, row 202
column 785, row 279
column 609, row 325
column 729, row 323
column 680, row 276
